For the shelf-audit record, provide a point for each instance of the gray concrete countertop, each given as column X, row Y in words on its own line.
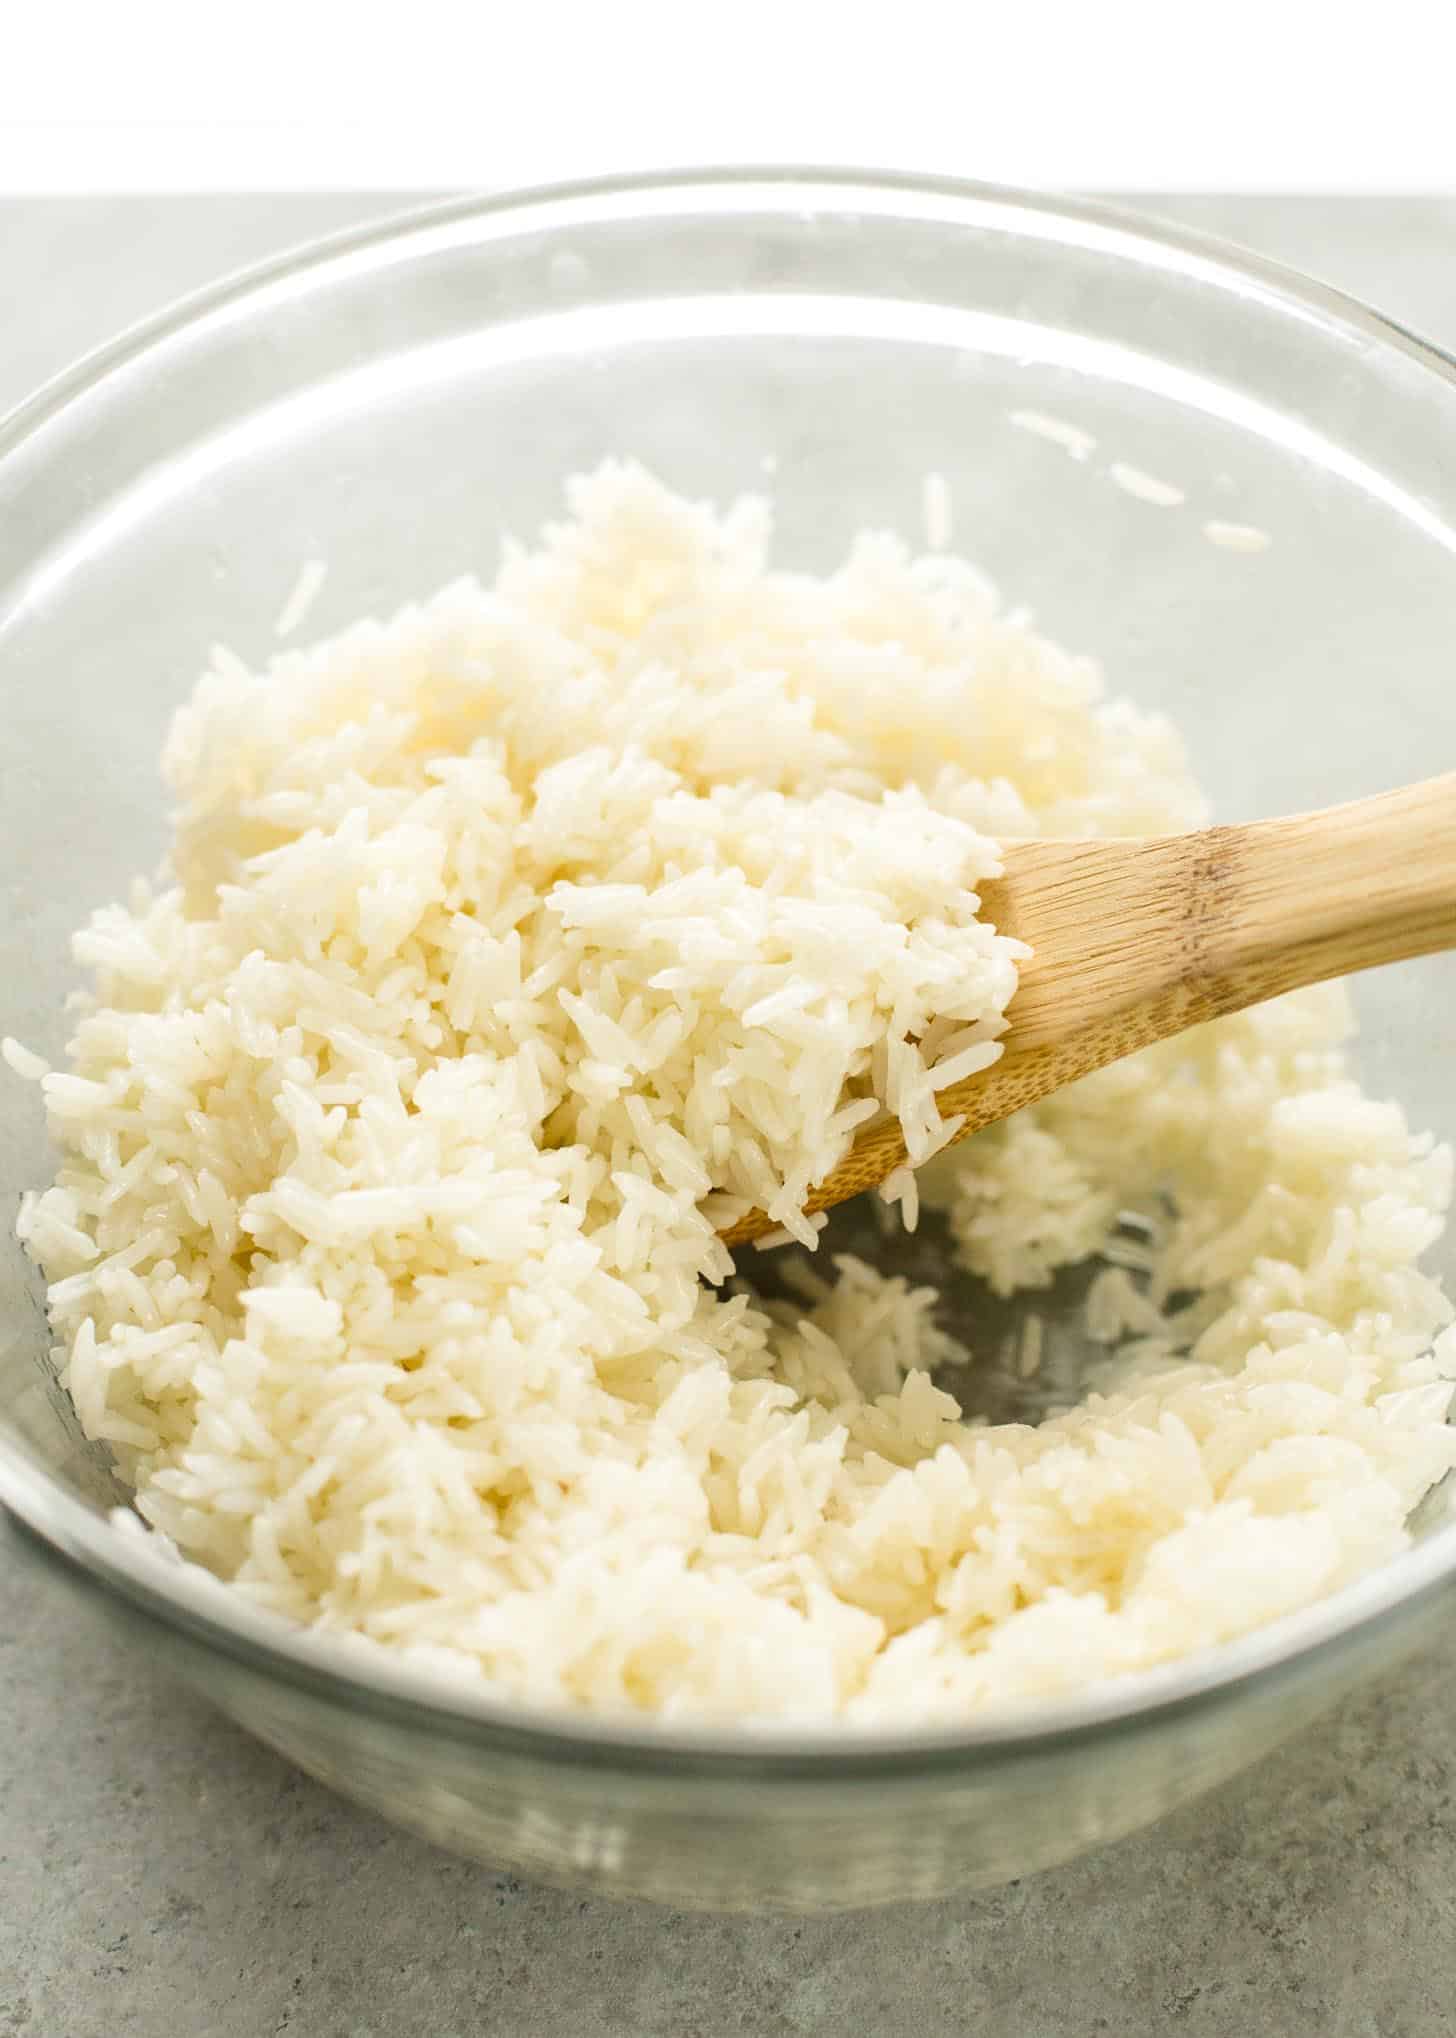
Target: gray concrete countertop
column 161, row 1876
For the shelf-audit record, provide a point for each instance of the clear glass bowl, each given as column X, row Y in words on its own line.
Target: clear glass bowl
column 394, row 401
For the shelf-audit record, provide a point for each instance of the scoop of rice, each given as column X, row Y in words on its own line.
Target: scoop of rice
column 507, row 947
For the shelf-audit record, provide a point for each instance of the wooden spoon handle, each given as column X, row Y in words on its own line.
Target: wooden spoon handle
column 1323, row 895
column 1180, row 928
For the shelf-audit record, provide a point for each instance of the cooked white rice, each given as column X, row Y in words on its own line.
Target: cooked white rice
column 506, row 946
column 301, row 598
column 1145, row 487
column 1237, row 537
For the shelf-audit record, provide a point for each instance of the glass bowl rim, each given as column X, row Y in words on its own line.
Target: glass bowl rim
column 183, row 1597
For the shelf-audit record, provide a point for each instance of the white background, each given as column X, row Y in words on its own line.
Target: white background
column 126, row 95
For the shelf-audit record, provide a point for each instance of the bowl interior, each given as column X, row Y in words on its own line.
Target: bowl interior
column 397, row 405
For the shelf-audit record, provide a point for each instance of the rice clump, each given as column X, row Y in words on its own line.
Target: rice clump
column 507, row 947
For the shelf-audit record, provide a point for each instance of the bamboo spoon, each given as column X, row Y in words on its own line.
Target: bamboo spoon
column 1137, row 939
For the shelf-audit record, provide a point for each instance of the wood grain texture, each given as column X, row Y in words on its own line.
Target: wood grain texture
column 1136, row 940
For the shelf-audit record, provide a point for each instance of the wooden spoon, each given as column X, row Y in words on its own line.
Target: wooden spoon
column 1136, row 939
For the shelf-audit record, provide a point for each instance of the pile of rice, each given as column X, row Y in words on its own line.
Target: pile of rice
column 509, row 946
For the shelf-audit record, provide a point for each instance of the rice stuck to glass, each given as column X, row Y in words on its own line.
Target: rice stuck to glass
column 510, row 946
